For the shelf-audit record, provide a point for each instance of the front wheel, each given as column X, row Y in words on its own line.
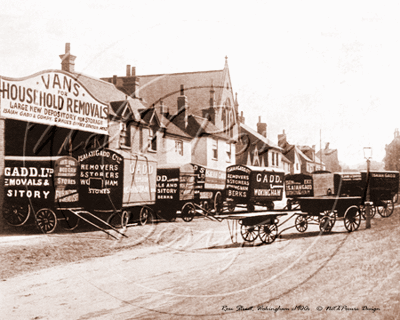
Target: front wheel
column 387, row 209
column 46, row 220
column 268, row 233
column 231, row 206
column 188, row 212
column 249, row 233
column 301, row 223
column 327, row 222
column 352, row 219
column 250, row 207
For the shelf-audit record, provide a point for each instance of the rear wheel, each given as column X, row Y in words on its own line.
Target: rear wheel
column 145, row 216
column 115, row 220
column 46, row 220
column 218, row 202
column 352, row 219
column 16, row 214
column 249, row 233
column 268, row 233
column 69, row 220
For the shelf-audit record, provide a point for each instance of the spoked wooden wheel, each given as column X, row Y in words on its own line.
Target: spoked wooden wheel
column 145, row 216
column 352, row 219
column 125, row 218
column 188, row 212
column 387, row 209
column 46, row 220
column 250, row 207
column 69, row 220
column 231, row 206
column 16, row 214
column 373, row 211
column 327, row 222
column 268, row 233
column 249, row 233
column 301, row 223
column 115, row 219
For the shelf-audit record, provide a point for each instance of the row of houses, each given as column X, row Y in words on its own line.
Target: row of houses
column 177, row 118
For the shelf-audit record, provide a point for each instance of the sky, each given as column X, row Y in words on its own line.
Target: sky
column 325, row 72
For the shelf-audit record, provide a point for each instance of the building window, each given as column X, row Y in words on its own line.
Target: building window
column 124, row 136
column 228, row 152
column 153, row 139
column 215, row 149
column 297, row 166
column 179, row 147
column 273, row 158
column 277, row 159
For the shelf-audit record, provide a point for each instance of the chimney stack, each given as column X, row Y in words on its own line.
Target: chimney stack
column 212, row 95
column 241, row 117
column 261, row 127
column 327, row 146
column 282, row 139
column 130, row 83
column 67, row 59
column 183, row 105
column 164, row 109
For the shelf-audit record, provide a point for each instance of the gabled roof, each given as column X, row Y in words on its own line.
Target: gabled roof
column 260, row 137
column 199, row 126
column 107, row 92
column 285, row 159
column 197, row 87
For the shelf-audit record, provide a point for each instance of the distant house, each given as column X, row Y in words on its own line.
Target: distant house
column 209, row 92
column 330, row 158
column 255, row 149
column 187, row 138
column 172, row 144
column 315, row 164
column 302, row 158
column 392, row 156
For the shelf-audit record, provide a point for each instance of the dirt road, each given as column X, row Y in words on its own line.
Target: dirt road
column 193, row 271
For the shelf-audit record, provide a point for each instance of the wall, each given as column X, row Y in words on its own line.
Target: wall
column 168, row 154
column 200, row 151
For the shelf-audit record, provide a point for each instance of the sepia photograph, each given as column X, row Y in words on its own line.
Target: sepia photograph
column 199, row 160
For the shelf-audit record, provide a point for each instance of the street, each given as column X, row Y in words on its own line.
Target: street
column 193, row 271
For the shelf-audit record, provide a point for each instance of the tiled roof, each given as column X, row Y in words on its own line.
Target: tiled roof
column 260, row 137
column 107, row 92
column 197, row 87
column 286, row 159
